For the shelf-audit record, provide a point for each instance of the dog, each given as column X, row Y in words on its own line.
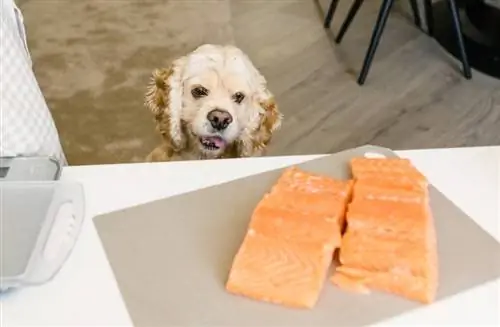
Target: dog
column 211, row 104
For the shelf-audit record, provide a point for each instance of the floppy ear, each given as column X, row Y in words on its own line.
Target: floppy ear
column 270, row 119
column 164, row 99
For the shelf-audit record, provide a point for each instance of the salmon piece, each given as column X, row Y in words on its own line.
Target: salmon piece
column 310, row 203
column 403, row 166
column 390, row 218
column 365, row 251
column 349, row 283
column 398, row 170
column 273, row 270
column 331, row 208
column 388, row 181
column 421, row 289
column 296, row 226
column 390, row 241
column 291, row 239
column 312, row 193
column 380, row 164
column 353, row 273
column 297, row 180
column 372, row 188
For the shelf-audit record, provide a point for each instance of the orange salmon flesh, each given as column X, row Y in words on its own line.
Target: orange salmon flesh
column 379, row 221
column 291, row 239
column 389, row 243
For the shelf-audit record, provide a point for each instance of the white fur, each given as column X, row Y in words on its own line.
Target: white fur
column 182, row 118
column 223, row 70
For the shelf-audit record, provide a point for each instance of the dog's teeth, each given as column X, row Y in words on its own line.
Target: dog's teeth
column 209, row 145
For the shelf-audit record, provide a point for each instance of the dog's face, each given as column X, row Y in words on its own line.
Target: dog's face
column 220, row 99
column 211, row 100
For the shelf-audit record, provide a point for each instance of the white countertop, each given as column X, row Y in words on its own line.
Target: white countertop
column 84, row 293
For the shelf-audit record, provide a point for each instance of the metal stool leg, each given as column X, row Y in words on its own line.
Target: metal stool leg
column 377, row 33
column 429, row 17
column 329, row 15
column 460, row 38
column 416, row 13
column 348, row 20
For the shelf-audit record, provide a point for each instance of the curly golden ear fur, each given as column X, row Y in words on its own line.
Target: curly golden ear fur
column 260, row 137
column 164, row 99
column 270, row 121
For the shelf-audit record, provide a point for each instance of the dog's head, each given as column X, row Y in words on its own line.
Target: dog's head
column 211, row 101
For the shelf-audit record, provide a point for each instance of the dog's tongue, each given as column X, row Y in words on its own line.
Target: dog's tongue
column 216, row 140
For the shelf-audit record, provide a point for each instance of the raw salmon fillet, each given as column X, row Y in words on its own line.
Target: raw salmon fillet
column 296, row 226
column 278, row 271
column 290, row 241
column 396, row 169
column 390, row 188
column 393, row 219
column 390, row 242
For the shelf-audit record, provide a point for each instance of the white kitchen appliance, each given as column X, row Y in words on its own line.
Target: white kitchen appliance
column 40, row 219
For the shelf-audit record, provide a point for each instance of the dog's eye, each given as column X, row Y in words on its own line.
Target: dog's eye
column 199, row 92
column 238, row 97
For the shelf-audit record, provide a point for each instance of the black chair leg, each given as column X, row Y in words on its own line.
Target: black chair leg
column 377, row 33
column 416, row 13
column 460, row 38
column 348, row 20
column 429, row 17
column 329, row 15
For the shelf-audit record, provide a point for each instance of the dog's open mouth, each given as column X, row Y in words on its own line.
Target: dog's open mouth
column 212, row 142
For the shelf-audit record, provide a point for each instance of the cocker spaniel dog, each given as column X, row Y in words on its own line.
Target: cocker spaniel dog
column 212, row 103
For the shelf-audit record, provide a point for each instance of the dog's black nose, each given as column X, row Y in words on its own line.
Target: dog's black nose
column 219, row 119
